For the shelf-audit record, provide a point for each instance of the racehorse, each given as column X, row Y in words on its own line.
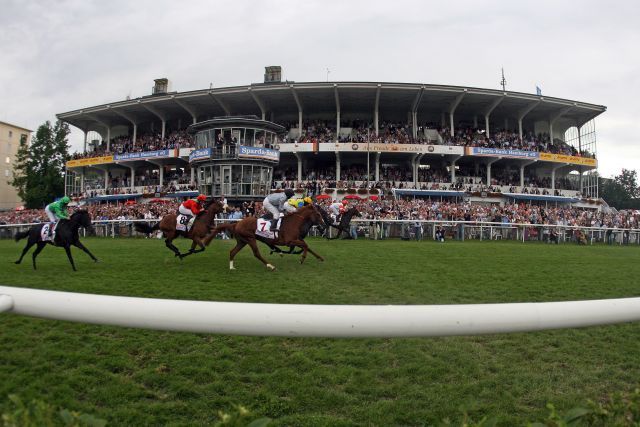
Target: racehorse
column 66, row 235
column 343, row 225
column 293, row 229
column 201, row 227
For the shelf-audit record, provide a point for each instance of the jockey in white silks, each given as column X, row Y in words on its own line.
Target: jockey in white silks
column 276, row 204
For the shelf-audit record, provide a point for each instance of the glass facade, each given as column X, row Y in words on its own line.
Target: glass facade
column 250, row 137
column 235, row 180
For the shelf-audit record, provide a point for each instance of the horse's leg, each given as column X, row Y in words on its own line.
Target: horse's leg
column 303, row 245
column 314, row 254
column 25, row 250
column 170, row 245
column 67, row 249
column 233, row 252
column 39, row 249
column 196, row 241
column 79, row 245
column 257, row 254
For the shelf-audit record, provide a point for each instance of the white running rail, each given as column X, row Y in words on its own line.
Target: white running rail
column 297, row 320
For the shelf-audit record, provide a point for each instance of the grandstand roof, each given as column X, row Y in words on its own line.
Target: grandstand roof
column 280, row 101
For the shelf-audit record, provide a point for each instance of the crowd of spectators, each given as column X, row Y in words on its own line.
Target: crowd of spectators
column 149, row 142
column 383, row 208
column 402, row 133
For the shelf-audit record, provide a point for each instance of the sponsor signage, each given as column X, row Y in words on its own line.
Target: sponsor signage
column 199, row 154
column 500, row 152
column 563, row 158
column 258, row 153
column 89, row 161
column 143, row 155
column 403, row 148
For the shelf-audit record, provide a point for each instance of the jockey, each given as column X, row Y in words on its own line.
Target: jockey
column 192, row 207
column 276, row 203
column 57, row 211
column 336, row 209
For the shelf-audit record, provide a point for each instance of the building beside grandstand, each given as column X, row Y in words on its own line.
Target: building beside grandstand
column 10, row 138
column 330, row 137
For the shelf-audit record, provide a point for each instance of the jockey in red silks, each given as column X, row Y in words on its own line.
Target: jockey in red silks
column 192, row 207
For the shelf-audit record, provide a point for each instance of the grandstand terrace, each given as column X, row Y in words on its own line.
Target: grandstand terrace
column 424, row 137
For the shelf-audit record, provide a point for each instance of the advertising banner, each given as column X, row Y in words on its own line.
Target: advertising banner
column 402, row 148
column 199, row 154
column 563, row 158
column 144, row 155
column 89, row 161
column 501, row 152
column 258, row 153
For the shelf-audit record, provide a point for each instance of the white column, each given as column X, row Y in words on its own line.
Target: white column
column 299, row 157
column 375, row 121
column 550, row 131
column 82, row 181
column 108, row 139
column 414, row 120
column 520, row 128
column 133, row 177
column 106, row 179
column 489, row 163
column 85, row 141
column 300, row 124
column 522, row 175
column 453, row 169
column 161, row 174
column 135, row 133
column 337, row 166
column 337, row 125
column 580, row 180
column 377, row 167
column 164, row 125
column 453, row 130
column 486, row 125
column 195, row 120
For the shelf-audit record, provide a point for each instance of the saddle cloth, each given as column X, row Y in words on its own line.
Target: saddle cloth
column 44, row 233
column 263, row 227
column 184, row 222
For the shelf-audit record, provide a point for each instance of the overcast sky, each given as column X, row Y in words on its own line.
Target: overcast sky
column 57, row 56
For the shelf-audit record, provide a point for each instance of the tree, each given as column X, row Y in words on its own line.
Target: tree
column 38, row 171
column 622, row 192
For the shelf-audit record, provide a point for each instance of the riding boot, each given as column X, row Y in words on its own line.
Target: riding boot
column 274, row 224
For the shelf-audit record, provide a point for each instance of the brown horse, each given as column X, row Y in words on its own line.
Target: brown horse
column 292, row 230
column 199, row 231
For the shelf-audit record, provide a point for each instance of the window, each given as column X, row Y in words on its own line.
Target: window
column 7, row 160
column 6, row 172
column 10, row 134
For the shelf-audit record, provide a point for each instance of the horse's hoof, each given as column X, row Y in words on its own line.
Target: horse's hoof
column 271, row 267
column 321, row 259
column 17, row 262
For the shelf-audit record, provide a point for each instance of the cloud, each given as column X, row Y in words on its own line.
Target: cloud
column 60, row 56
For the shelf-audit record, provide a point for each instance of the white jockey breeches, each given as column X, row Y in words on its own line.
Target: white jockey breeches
column 51, row 215
column 269, row 207
column 185, row 211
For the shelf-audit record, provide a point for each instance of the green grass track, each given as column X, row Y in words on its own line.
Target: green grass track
column 139, row 377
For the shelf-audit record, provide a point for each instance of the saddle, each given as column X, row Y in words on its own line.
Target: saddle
column 184, row 222
column 263, row 227
column 44, row 232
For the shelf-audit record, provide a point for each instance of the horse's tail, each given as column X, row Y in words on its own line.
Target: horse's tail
column 229, row 226
column 21, row 235
column 142, row 227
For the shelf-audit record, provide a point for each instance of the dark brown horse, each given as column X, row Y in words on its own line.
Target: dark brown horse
column 199, row 231
column 292, row 230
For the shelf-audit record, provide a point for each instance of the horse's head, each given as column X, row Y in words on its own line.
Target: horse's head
column 82, row 218
column 214, row 206
column 315, row 216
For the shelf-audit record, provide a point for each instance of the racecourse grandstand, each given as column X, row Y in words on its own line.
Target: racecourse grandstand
column 338, row 138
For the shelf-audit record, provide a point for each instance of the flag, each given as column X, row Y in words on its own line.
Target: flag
column 538, row 91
